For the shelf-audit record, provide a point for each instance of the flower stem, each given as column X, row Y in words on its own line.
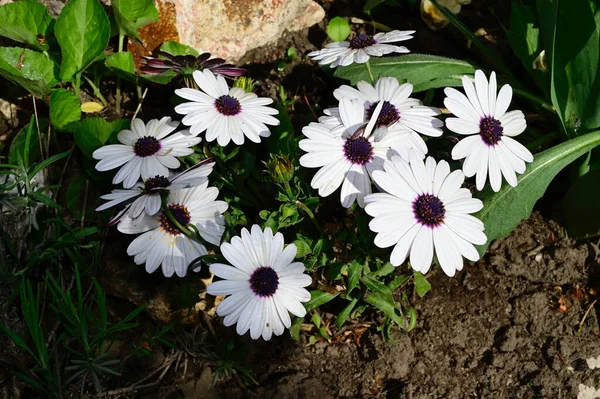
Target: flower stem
column 368, row 64
column 311, row 215
column 543, row 103
column 288, row 190
column 118, row 95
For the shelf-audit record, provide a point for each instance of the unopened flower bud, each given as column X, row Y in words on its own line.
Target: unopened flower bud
column 244, row 82
column 280, row 168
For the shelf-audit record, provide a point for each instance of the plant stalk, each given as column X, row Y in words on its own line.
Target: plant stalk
column 118, row 95
column 368, row 64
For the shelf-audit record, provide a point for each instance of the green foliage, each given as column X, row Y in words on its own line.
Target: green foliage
column 82, row 31
column 571, row 35
column 26, row 145
column 65, row 110
column 26, row 22
column 502, row 211
column 175, row 48
column 93, row 133
column 421, row 284
column 27, row 68
column 133, row 14
column 338, row 29
column 423, row 71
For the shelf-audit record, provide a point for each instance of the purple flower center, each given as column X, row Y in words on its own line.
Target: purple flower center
column 490, row 130
column 358, row 150
column 228, row 105
column 388, row 115
column 146, row 146
column 429, row 210
column 156, row 182
column 181, row 214
column 362, row 41
column 264, row 281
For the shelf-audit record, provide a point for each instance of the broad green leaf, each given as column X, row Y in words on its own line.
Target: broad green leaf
column 122, row 65
column 338, row 29
column 582, row 207
column 91, row 134
column 175, row 48
column 504, row 210
column 571, row 36
column 19, row 142
column 34, row 71
column 421, row 284
column 65, row 110
column 133, row 14
column 524, row 37
column 421, row 70
column 82, row 31
column 26, row 22
column 318, row 298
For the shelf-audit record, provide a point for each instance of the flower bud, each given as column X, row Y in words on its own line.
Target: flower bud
column 244, row 82
column 280, row 168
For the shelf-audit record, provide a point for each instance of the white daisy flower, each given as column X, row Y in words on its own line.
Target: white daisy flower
column 226, row 114
column 424, row 209
column 145, row 151
column 164, row 244
column 399, row 112
column 347, row 155
column 361, row 48
column 491, row 148
column 144, row 198
column 263, row 283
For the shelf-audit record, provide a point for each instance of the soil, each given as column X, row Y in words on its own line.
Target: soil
column 513, row 325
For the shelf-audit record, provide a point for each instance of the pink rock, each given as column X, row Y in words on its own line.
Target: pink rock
column 229, row 28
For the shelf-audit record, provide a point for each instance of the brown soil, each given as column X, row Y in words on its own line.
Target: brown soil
column 505, row 327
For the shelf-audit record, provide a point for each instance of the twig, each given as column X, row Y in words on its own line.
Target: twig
column 136, row 386
column 139, row 107
column 208, row 322
column 585, row 316
column 64, row 171
column 37, row 125
column 312, row 111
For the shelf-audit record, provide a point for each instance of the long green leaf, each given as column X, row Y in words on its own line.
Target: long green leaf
column 421, row 70
column 504, row 210
column 318, row 298
column 571, row 35
column 82, row 31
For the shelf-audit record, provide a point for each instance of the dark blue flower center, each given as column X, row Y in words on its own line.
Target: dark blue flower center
column 429, row 210
column 146, row 146
column 228, row 105
column 156, row 182
column 362, row 41
column 180, row 213
column 358, row 150
column 264, row 281
column 491, row 130
column 388, row 115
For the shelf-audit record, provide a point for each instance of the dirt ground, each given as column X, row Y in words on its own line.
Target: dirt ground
column 510, row 326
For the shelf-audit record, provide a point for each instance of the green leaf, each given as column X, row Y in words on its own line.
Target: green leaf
column 74, row 195
column 421, row 70
column 318, row 298
column 386, row 305
column 122, row 65
column 370, row 4
column 91, row 134
column 421, row 284
column 354, row 272
column 338, row 29
column 524, row 37
column 47, row 162
column 582, row 208
column 26, row 22
column 65, row 110
column 33, row 71
column 175, row 48
column 571, row 35
column 504, row 210
column 133, row 14
column 19, row 143
column 82, row 31
column 295, row 328
column 345, row 313
column 44, row 199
